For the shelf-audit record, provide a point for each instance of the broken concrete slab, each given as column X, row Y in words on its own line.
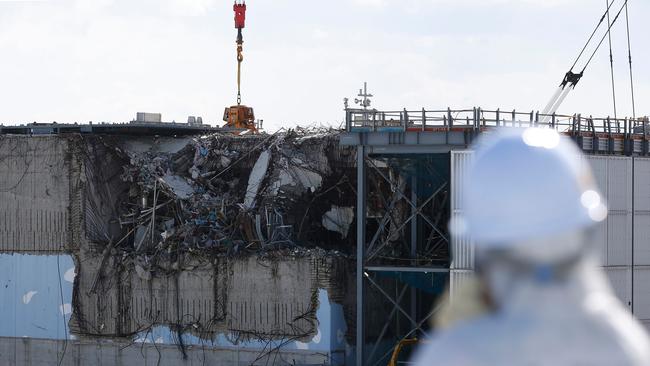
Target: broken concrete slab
column 339, row 219
column 181, row 188
column 255, row 178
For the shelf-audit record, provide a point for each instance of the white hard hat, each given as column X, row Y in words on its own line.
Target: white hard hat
column 527, row 184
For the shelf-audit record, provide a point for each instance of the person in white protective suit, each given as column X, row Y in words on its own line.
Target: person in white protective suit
column 531, row 205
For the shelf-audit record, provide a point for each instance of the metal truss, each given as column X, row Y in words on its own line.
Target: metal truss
column 404, row 237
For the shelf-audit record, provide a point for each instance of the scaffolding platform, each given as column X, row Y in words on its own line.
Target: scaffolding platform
column 452, row 129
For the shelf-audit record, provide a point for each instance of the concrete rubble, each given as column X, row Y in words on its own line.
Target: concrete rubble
column 237, row 194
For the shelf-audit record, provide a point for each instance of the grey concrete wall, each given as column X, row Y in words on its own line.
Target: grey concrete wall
column 34, row 194
column 272, row 297
column 45, row 352
column 246, row 298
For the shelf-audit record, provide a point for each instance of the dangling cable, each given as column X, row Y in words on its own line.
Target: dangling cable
column 606, row 13
column 629, row 55
column 240, row 58
column 611, row 60
column 571, row 78
column 240, row 20
column 604, row 35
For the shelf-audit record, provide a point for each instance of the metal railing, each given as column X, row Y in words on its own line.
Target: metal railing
column 478, row 119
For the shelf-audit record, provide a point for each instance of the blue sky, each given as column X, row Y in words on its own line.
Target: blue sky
column 105, row 60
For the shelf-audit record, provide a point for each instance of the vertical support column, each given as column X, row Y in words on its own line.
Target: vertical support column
column 361, row 243
column 414, row 243
column 633, row 237
column 424, row 119
column 374, row 121
column 553, row 120
column 348, row 120
column 645, row 138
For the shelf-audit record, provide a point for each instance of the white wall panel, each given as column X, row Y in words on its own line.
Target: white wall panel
column 621, row 280
column 641, row 211
column 598, row 165
column 458, row 279
column 599, row 168
column 613, row 176
column 619, row 183
column 641, row 239
column 599, row 242
column 642, row 184
column 462, row 249
column 619, row 239
column 460, row 161
column 642, row 292
column 627, row 227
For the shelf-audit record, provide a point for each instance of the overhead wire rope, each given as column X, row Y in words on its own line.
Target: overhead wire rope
column 611, row 62
column 592, row 34
column 571, row 79
column 603, row 37
column 629, row 55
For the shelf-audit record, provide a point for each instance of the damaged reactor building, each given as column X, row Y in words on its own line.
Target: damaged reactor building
column 167, row 245
column 121, row 246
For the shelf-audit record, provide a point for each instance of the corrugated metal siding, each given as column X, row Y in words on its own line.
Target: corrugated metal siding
column 641, row 211
column 619, row 201
column 641, row 239
column 614, row 237
column 599, row 168
column 619, row 239
column 457, row 279
column 619, row 183
column 600, row 241
column 642, row 292
column 626, row 184
column 462, row 249
column 621, row 280
column 613, row 176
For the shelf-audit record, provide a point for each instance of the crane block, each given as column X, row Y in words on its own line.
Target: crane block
column 240, row 15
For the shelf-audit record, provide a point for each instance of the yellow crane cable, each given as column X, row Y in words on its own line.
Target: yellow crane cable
column 240, row 58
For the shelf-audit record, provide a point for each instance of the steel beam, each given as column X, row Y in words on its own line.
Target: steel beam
column 386, row 324
column 361, row 243
column 431, row 313
column 407, row 200
column 406, row 269
column 392, row 301
column 414, row 237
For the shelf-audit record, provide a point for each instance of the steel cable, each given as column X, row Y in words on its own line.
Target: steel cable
column 592, row 34
column 611, row 61
column 629, row 55
column 603, row 37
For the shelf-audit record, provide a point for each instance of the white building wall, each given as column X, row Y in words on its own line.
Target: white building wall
column 625, row 182
column 462, row 249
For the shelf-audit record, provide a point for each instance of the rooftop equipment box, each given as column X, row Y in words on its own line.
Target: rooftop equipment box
column 149, row 117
